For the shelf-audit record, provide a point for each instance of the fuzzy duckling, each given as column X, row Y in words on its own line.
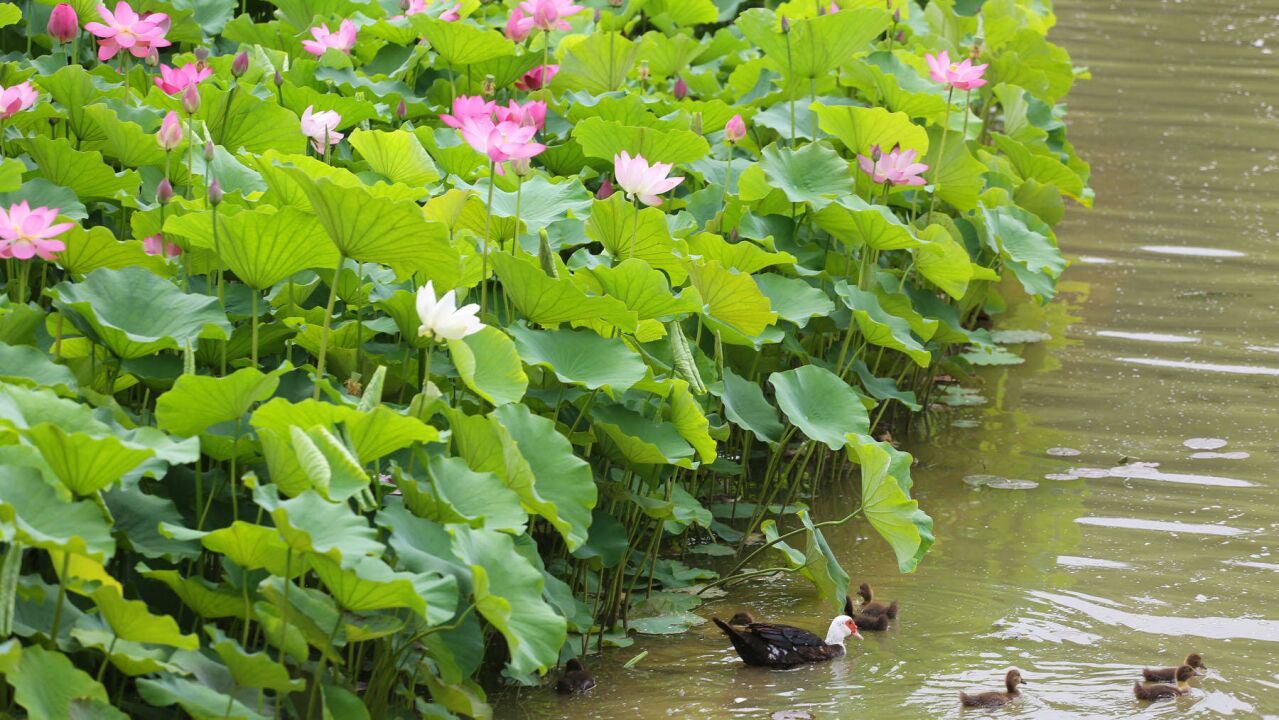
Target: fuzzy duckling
column 575, row 679
column 872, row 615
column 1158, row 692
column 1169, row 674
column 994, row 699
column 741, row 619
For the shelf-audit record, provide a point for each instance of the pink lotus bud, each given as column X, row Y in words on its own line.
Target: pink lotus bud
column 63, row 23
column 190, row 99
column 401, row 110
column 875, row 152
column 785, row 24
column 521, row 166
column 164, row 192
column 155, row 245
column 153, row 58
column 209, row 151
column 834, row 8
column 681, row 88
column 897, row 16
column 201, row 54
column 215, row 192
column 606, row 189
column 170, row 134
column 240, row 65
column 643, row 71
column 735, row 130
column 279, row 79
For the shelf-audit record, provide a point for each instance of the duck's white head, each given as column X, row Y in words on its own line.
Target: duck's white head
column 840, row 628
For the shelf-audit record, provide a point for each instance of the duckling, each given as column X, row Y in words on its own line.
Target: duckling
column 994, row 699
column 1168, row 674
column 872, row 616
column 575, row 679
column 1158, row 692
column 870, row 607
column 741, row 619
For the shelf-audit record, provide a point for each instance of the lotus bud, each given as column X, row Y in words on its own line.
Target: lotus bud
column 240, row 65
column 153, row 58
column 820, row 10
column 606, row 189
column 616, row 4
column 521, row 166
column 215, row 192
column 785, row 24
column 733, row 235
column 63, row 23
column 279, row 79
column 682, row 356
column 696, row 123
column 897, row 16
column 405, row 5
column 209, row 151
column 489, row 89
column 875, row 152
column 901, row 36
column 735, row 130
column 643, row 71
column 681, row 88
column 190, row 99
column 546, row 256
column 401, row 110
column 164, row 192
column 170, row 134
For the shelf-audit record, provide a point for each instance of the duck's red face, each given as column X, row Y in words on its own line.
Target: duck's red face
column 852, row 629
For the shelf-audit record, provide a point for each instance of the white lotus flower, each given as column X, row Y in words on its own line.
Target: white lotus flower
column 442, row 318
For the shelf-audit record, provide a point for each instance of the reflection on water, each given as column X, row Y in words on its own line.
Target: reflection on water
column 1144, row 543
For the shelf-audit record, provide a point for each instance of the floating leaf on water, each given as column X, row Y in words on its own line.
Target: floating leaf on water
column 1236, row 455
column 792, row 715
column 966, row 424
column 1062, row 452
column 1019, row 337
column 979, row 480
column 1204, row 443
column 957, row 396
column 1087, row 472
column 1012, row 484
column 1060, row 476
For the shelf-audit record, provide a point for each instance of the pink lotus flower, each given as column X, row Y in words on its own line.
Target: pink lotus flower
column 518, row 26
column 155, row 245
column 501, row 141
column 537, row 78
column 64, row 24
column 897, row 167
column 126, row 30
column 832, row 8
column 961, row 76
column 322, row 128
column 549, row 15
column 606, row 189
column 640, row 180
column 735, row 130
column 532, row 113
column 173, row 80
column 16, row 98
column 170, row 134
column 466, row 107
column 26, row 233
column 452, row 14
column 343, row 39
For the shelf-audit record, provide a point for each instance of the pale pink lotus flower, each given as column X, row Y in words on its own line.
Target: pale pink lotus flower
column 124, row 29
column 175, row 79
column 501, row 141
column 322, row 128
column 411, row 7
column 518, row 26
column 64, row 24
column 26, row 233
column 466, row 107
column 897, row 167
column 832, row 8
column 155, row 245
column 537, row 78
column 549, row 15
column 639, row 179
column 170, row 133
column 961, row 76
column 735, row 130
column 452, row 14
column 442, row 319
column 16, row 98
column 530, row 113
column 343, row 39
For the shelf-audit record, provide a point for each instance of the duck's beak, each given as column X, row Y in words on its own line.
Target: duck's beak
column 858, row 636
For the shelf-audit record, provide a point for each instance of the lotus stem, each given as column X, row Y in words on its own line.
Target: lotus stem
column 630, row 253
column 191, row 159
column 484, row 242
column 328, row 322
column 941, row 152
column 519, row 191
column 62, row 595
column 254, row 324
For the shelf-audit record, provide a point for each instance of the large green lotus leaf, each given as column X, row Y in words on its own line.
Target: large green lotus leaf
column 820, row 404
column 613, row 224
column 819, row 44
column 138, row 518
column 284, row 190
column 84, row 463
column 395, row 155
column 597, row 63
column 459, row 43
column 254, row 670
column 82, row 171
column 369, row 584
column 668, row 55
column 130, row 620
column 1029, row 246
column 813, row 174
column 742, row 256
column 311, row 524
column 135, row 313
column 860, row 128
column 479, row 499
column 248, row 122
column 25, row 408
column 551, row 301
column 898, row 303
column 1042, row 200
column 209, row 601
column 252, row 547
column 354, row 111
column 76, row 90
column 198, row 402
column 1043, row 167
column 581, row 357
column 731, row 298
column 263, row 247
column 330, row 465
column 505, row 70
column 603, row 139
column 793, row 299
column 961, row 174
column 489, row 365
column 368, row 228
column 507, row 591
column 944, row 261
column 132, row 659
column 46, row 684
column 1026, row 119
column 641, row 440
column 32, row 366
column 96, row 247
column 671, row 14
column 879, row 327
column 885, row 502
column 127, row 141
column 887, row 81
column 642, row 288
column 746, row 406
column 690, row 421
column 1041, row 67
column 373, row 433
column 817, row 562
column 857, row 223
column 195, row 697
column 884, row 388
column 538, row 203
column 33, row 514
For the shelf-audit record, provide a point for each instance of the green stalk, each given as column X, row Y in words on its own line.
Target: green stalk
column 790, row 74
column 328, row 322
column 519, row 190
column 62, row 595
column 190, row 160
column 484, row 242
column 254, row 321
column 106, row 659
column 941, row 152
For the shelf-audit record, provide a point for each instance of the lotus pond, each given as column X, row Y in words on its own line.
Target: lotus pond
column 368, row 360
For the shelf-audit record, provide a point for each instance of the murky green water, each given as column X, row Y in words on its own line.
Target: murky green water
column 1165, row 333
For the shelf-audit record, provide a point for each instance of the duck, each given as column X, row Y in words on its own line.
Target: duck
column 871, row 608
column 1158, row 692
column 872, row 616
column 785, row 646
column 994, row 698
column 575, row 679
column 741, row 619
column 1169, row 674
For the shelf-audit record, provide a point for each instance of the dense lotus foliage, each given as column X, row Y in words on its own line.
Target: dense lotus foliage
column 360, row 357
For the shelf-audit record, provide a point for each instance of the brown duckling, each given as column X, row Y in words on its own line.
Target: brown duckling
column 1158, row 692
column 876, row 618
column 994, row 699
column 1169, row 674
column 575, row 679
column 741, row 619
column 870, row 607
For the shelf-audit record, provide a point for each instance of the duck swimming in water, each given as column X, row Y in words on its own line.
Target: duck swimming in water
column 784, row 646
column 741, row 619
column 1159, row 692
column 1169, row 674
column 994, row 698
column 872, row 615
column 575, row 679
